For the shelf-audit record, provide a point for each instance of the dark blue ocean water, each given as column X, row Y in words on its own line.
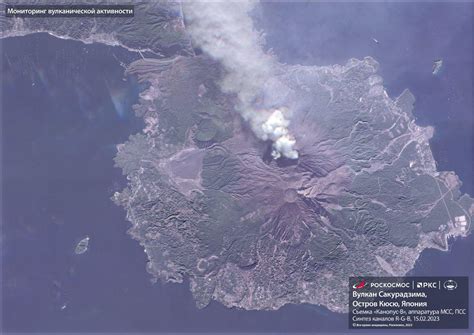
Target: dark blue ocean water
column 66, row 105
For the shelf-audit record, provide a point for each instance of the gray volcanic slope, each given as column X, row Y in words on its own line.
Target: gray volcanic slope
column 208, row 203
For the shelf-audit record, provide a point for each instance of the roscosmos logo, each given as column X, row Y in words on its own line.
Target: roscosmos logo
column 361, row 284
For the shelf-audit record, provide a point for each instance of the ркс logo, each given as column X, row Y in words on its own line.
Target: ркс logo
column 359, row 285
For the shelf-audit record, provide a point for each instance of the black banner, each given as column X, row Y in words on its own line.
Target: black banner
column 69, row 11
column 409, row 303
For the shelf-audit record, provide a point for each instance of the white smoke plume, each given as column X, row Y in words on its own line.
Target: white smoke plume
column 225, row 31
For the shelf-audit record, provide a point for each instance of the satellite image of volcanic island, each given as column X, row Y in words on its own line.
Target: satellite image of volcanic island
column 267, row 184
column 208, row 201
column 263, row 183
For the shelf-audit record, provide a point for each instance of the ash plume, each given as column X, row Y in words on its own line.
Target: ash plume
column 225, row 32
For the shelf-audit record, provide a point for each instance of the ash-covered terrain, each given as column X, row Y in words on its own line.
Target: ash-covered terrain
column 264, row 184
column 214, row 198
column 208, row 202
